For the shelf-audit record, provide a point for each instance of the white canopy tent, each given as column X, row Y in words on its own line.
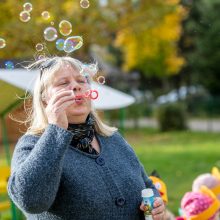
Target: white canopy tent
column 21, row 79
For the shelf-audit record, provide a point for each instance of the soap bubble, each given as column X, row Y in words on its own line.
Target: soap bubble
column 72, row 43
column 39, row 47
column 84, row 3
column 52, row 23
column 101, row 80
column 9, row 65
column 2, row 43
column 41, row 56
column 27, row 7
column 60, row 44
column 45, row 15
column 94, row 94
column 50, row 34
column 65, row 27
column 25, row 16
column 87, row 93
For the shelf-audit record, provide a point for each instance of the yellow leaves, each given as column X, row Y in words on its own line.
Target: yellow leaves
column 174, row 63
column 157, row 43
column 172, row 2
column 71, row 6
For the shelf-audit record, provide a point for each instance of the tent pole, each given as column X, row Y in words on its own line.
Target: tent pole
column 122, row 119
column 5, row 140
column 8, row 157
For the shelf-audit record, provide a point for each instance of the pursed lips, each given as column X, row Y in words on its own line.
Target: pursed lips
column 79, row 99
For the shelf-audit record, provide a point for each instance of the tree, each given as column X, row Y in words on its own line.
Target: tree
column 201, row 43
column 152, row 46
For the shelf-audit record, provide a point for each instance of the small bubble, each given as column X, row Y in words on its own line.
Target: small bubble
column 50, row 34
column 84, row 3
column 27, row 7
column 41, row 56
column 39, row 47
column 45, row 15
column 25, row 16
column 87, row 93
column 52, row 23
column 60, row 44
column 101, row 80
column 2, row 43
column 65, row 27
column 94, row 94
column 9, row 65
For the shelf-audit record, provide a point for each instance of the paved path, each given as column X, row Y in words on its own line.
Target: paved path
column 212, row 125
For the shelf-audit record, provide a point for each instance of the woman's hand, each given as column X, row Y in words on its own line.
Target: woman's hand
column 56, row 106
column 158, row 210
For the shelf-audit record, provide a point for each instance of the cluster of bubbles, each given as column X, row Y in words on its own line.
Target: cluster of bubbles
column 65, row 29
column 25, row 15
column 50, row 33
column 68, row 45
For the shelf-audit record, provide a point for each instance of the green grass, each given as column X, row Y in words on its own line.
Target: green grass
column 179, row 157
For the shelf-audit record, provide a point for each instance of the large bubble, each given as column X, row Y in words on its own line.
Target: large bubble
column 50, row 34
column 27, row 7
column 60, row 44
column 72, row 43
column 2, row 43
column 45, row 15
column 65, row 27
column 25, row 16
column 39, row 47
column 9, row 65
column 84, row 3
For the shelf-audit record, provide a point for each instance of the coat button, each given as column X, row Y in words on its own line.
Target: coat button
column 120, row 201
column 100, row 161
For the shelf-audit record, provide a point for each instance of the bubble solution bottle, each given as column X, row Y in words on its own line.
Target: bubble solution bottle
column 148, row 200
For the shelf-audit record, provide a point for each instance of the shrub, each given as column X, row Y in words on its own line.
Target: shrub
column 171, row 117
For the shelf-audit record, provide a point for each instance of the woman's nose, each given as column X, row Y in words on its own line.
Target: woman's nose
column 75, row 87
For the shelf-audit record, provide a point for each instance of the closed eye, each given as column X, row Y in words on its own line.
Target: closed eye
column 63, row 83
column 81, row 81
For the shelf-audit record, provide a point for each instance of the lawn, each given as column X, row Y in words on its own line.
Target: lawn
column 179, row 157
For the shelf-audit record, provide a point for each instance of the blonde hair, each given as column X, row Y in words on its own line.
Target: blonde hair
column 37, row 118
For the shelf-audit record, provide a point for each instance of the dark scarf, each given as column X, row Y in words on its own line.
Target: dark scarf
column 83, row 135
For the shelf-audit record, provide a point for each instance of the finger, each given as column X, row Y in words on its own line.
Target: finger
column 158, row 210
column 62, row 100
column 142, row 208
column 60, row 94
column 158, row 201
column 63, row 107
column 158, row 216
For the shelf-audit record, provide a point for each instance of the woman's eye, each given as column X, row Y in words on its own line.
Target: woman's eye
column 62, row 83
column 81, row 81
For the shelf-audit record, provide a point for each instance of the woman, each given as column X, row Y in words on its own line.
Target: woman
column 70, row 165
